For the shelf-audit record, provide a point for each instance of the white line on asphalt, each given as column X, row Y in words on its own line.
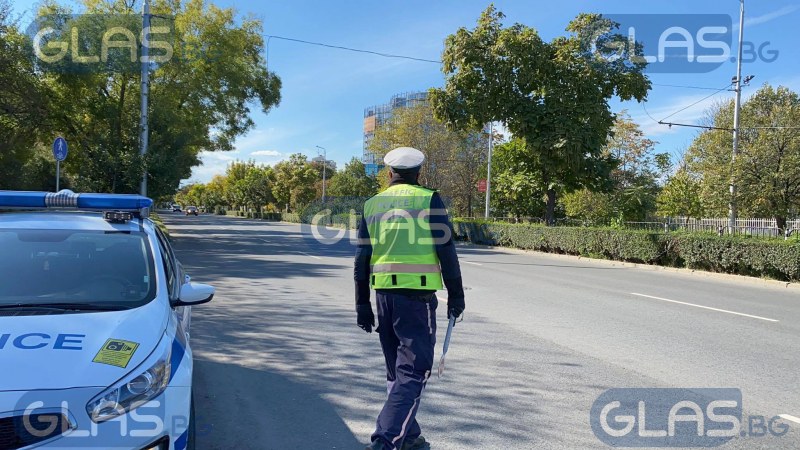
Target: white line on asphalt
column 473, row 263
column 789, row 418
column 705, row 307
column 304, row 253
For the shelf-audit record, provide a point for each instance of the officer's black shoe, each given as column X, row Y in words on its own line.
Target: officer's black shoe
column 377, row 445
column 417, row 444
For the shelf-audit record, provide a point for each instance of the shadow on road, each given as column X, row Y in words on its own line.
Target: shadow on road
column 241, row 408
column 282, row 365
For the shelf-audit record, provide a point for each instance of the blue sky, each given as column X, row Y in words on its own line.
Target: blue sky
column 325, row 90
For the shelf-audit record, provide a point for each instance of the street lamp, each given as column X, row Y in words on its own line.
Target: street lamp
column 324, row 169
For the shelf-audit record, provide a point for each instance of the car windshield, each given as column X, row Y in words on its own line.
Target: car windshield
column 76, row 267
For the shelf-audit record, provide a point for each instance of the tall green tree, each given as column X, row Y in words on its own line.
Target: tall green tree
column 454, row 159
column 295, row 180
column 767, row 170
column 200, row 97
column 516, row 188
column 632, row 187
column 24, row 106
column 680, row 196
column 552, row 95
column 353, row 181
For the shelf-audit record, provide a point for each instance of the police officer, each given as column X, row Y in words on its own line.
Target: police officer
column 405, row 251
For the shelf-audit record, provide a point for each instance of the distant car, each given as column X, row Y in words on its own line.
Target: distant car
column 95, row 323
column 191, row 210
column 176, row 208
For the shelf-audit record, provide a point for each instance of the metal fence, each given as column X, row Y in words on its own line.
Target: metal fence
column 765, row 228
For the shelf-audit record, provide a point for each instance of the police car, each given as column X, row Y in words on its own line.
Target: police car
column 94, row 325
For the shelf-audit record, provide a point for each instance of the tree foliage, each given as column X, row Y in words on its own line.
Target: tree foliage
column 353, row 181
column 295, row 180
column 767, row 170
column 552, row 95
column 200, row 99
column 454, row 159
column 632, row 187
column 24, row 102
column 516, row 189
column 680, row 196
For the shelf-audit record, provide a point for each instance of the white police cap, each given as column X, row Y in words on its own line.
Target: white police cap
column 404, row 158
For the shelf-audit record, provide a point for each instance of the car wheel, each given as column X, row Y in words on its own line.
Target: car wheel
column 190, row 444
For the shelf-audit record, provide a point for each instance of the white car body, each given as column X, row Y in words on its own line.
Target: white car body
column 50, row 360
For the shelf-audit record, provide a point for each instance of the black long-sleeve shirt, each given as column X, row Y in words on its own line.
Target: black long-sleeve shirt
column 445, row 250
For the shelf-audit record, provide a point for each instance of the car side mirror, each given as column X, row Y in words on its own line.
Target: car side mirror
column 194, row 294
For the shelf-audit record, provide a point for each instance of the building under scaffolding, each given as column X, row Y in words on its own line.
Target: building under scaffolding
column 375, row 116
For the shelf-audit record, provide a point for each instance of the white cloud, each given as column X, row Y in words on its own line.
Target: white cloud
column 768, row 17
column 218, row 156
column 266, row 153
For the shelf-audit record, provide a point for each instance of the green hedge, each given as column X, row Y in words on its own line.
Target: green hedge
column 744, row 256
column 291, row 217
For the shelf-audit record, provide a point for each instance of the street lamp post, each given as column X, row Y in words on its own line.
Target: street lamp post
column 324, row 169
column 732, row 206
column 145, row 92
column 489, row 170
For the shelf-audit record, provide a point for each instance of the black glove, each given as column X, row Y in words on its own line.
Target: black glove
column 455, row 307
column 366, row 319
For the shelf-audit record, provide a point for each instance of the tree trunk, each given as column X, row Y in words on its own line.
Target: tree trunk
column 781, row 223
column 550, row 218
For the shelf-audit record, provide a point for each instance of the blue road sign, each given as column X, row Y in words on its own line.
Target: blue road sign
column 60, row 149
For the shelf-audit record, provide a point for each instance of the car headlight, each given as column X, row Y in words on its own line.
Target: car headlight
column 136, row 389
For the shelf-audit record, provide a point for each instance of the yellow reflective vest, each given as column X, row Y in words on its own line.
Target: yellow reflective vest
column 403, row 249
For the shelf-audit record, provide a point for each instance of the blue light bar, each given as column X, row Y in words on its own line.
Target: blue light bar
column 71, row 200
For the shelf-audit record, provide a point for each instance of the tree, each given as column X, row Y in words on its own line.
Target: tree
column 201, row 97
column 353, row 181
column 767, row 170
column 680, row 196
column 632, row 187
column 215, row 192
column 257, row 187
column 24, row 106
column 552, row 95
column 294, row 182
column 454, row 159
column 245, row 184
column 516, row 189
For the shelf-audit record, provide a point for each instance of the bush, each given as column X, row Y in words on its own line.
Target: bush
column 738, row 255
column 291, row 217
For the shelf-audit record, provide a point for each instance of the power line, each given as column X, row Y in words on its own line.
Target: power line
column 350, row 49
column 699, row 101
column 686, row 86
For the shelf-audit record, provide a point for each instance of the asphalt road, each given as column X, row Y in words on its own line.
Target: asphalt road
column 280, row 363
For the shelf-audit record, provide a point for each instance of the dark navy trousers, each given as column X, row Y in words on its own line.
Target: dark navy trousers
column 407, row 330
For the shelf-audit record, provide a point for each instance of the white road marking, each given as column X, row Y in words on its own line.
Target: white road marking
column 705, row 307
column 312, row 256
column 789, row 418
column 473, row 263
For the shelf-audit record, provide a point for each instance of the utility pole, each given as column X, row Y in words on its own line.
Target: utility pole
column 732, row 210
column 324, row 167
column 145, row 90
column 489, row 170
